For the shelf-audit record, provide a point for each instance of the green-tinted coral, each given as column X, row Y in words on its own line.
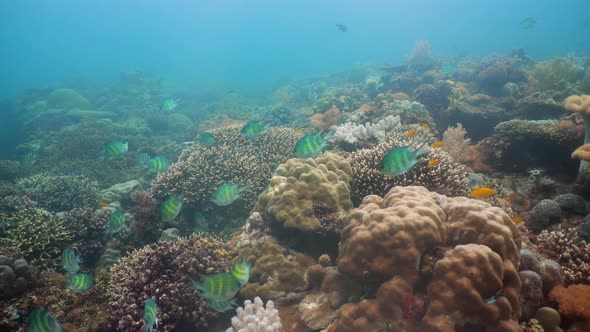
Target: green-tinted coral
column 302, row 191
column 38, row 234
column 67, row 99
column 59, row 193
column 276, row 271
column 553, row 74
column 534, row 129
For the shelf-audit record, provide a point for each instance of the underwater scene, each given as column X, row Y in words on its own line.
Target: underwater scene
column 295, row 166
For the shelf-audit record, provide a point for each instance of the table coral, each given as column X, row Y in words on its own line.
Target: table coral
column 303, row 193
column 434, row 263
column 233, row 159
column 163, row 271
column 448, row 177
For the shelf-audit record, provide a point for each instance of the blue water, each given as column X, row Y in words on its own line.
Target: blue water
column 250, row 45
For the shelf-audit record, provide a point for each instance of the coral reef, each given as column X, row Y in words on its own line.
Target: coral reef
column 146, row 220
column 573, row 301
column 351, row 133
column 37, row 234
column 276, row 271
column 308, row 195
column 118, row 192
column 163, row 271
column 326, row 120
column 59, row 193
column 87, row 228
column 256, row 317
column 199, row 169
column 455, row 143
column 16, row 276
column 10, row 170
column 466, row 252
column 447, row 178
column 565, row 247
column 554, row 74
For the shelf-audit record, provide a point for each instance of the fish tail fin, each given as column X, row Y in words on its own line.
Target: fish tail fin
column 329, row 135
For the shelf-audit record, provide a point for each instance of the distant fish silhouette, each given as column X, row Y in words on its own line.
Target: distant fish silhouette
column 528, row 23
column 342, row 27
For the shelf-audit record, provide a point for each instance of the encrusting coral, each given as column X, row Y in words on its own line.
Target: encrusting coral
column 164, row 271
column 233, row 159
column 447, row 177
column 434, row 263
column 304, row 193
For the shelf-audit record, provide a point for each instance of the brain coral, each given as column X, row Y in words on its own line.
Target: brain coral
column 435, row 263
column 233, row 159
column 303, row 191
column 164, row 270
column 448, row 177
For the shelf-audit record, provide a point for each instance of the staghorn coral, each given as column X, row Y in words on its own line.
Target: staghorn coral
column 276, row 271
column 573, row 301
column 455, row 143
column 199, row 169
column 466, row 252
column 37, row 234
column 255, row 317
column 564, row 246
column 163, row 270
column 303, row 193
column 59, row 193
column 447, row 178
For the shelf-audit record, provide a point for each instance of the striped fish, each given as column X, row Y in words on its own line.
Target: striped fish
column 70, row 261
column 309, row 146
column 116, row 221
column 253, row 129
column 227, row 194
column 241, row 271
column 115, row 149
column 40, row 320
column 400, row 160
column 150, row 315
column 222, row 306
column 159, row 164
column 218, row 287
column 80, row 283
column 170, row 208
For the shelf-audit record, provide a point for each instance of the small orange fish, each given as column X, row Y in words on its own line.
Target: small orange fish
column 433, row 163
column 438, row 144
column 103, row 204
column 517, row 220
column 482, row 192
column 410, row 133
column 426, row 126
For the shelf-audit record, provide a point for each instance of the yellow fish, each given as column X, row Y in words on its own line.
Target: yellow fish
column 517, row 220
column 438, row 144
column 482, row 192
column 410, row 133
column 433, row 163
column 425, row 126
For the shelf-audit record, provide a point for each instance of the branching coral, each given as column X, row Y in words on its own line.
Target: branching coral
column 163, row 271
column 435, row 263
column 448, row 177
column 39, row 235
column 59, row 193
column 200, row 169
column 146, row 220
column 303, row 192
column 565, row 247
column 455, row 143
column 87, row 227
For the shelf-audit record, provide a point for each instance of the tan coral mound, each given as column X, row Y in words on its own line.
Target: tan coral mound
column 436, row 263
column 303, row 191
column 579, row 104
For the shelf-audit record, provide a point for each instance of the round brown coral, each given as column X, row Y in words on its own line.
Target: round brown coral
column 473, row 249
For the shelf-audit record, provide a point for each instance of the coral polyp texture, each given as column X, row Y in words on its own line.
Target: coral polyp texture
column 434, row 263
column 233, row 159
column 446, row 177
column 303, row 194
column 256, row 317
column 163, row 271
